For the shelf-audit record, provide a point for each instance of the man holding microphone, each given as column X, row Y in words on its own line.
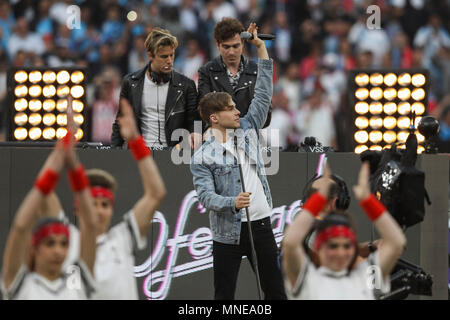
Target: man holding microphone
column 216, row 170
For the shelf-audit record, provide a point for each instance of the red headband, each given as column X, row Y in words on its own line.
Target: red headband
column 333, row 232
column 48, row 230
column 101, row 192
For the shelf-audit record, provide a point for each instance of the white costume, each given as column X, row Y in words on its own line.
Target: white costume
column 324, row 284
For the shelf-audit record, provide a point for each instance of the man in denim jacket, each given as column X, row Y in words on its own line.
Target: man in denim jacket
column 216, row 177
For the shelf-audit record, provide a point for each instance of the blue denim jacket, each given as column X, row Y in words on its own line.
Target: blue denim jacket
column 216, row 172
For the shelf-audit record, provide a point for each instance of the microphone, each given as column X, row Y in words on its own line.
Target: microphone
column 249, row 36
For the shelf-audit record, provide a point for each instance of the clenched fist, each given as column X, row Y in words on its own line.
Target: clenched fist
column 242, row 200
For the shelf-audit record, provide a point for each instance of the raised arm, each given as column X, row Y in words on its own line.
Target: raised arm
column 80, row 186
column 17, row 245
column 154, row 188
column 260, row 104
column 392, row 236
column 293, row 253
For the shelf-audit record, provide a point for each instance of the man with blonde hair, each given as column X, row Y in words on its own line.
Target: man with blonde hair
column 162, row 99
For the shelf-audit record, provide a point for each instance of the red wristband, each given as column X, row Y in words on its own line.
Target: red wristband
column 138, row 148
column 78, row 178
column 372, row 207
column 315, row 203
column 66, row 139
column 46, row 182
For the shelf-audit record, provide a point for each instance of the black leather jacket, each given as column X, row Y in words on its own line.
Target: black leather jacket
column 180, row 110
column 212, row 77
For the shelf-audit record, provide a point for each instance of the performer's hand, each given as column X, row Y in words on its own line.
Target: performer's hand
column 195, row 140
column 127, row 123
column 323, row 184
column 362, row 189
column 257, row 42
column 242, row 200
column 69, row 141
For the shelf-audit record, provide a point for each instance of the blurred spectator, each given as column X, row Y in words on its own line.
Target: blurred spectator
column 291, row 86
column 303, row 38
column 315, row 119
column 137, row 59
column 312, row 61
column 113, row 27
column 345, row 59
column 24, row 40
column 283, row 37
column 103, row 112
column 373, row 40
column 190, row 59
column 332, row 79
column 402, row 55
column 189, row 16
column 59, row 12
column 276, row 135
column 3, row 91
column 7, row 22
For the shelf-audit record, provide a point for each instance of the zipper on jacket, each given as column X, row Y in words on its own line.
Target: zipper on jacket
column 174, row 105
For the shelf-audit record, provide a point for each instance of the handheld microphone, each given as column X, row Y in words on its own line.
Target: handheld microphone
column 249, row 36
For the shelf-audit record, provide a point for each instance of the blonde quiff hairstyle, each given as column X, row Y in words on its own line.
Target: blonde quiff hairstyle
column 159, row 38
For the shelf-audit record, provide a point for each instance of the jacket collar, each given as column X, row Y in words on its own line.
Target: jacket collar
column 218, row 65
column 175, row 79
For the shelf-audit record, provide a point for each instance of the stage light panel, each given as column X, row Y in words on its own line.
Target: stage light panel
column 390, row 122
column 21, row 105
column 376, row 122
column 390, row 79
column 20, row 133
column 390, row 108
column 362, row 122
column 77, row 77
column 376, row 108
column 362, row 107
column 404, row 108
column 376, row 93
column 418, row 80
column 362, row 79
column 63, row 77
column 35, row 76
column 404, row 122
column 21, row 91
column 61, row 119
column 49, row 105
column 61, row 105
column 61, row 133
column 404, row 79
column 418, row 108
column 361, row 136
column 376, row 79
column 21, row 119
column 49, row 119
column 362, row 93
column 35, row 105
column 49, row 91
column 376, row 148
column 360, row 149
column 404, row 94
column 418, row 94
column 63, row 91
column 21, row 76
column 389, row 136
column 35, row 119
column 390, row 94
column 49, row 77
column 375, row 136
column 77, row 106
column 35, row 133
column 49, row 133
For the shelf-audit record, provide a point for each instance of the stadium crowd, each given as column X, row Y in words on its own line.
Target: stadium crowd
column 317, row 43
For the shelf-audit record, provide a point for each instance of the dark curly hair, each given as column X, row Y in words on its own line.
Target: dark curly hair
column 226, row 29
